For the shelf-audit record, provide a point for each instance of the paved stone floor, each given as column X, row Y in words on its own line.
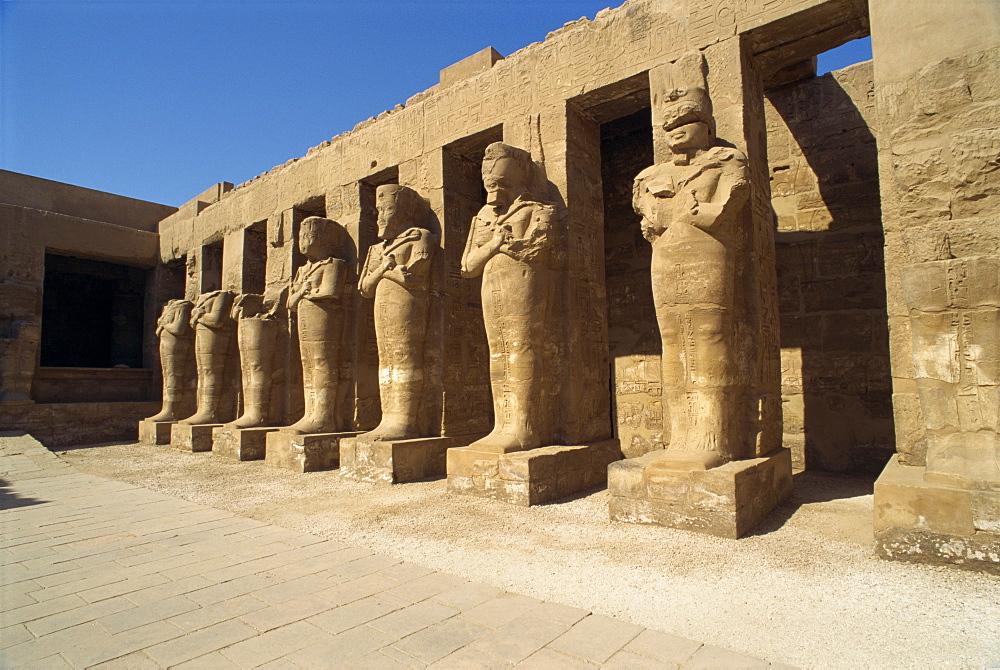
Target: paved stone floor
column 99, row 573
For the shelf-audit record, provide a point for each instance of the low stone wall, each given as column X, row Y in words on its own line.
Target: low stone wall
column 64, row 424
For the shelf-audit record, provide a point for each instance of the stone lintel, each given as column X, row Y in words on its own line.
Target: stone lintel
column 928, row 522
column 531, row 477
column 727, row 501
column 469, row 66
column 192, row 438
column 155, row 432
column 241, row 444
column 395, row 461
column 304, row 452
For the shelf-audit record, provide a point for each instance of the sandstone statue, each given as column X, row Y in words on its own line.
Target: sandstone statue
column 954, row 306
column 511, row 244
column 176, row 352
column 690, row 207
column 213, row 332
column 257, row 334
column 316, row 295
column 396, row 273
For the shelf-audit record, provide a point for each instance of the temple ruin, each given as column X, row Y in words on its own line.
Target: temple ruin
column 654, row 252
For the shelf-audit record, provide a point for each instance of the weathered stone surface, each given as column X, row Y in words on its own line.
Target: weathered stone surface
column 530, row 477
column 241, row 444
column 316, row 297
column 155, row 432
column 397, row 275
column 216, row 359
column 304, row 452
column 188, row 437
column 924, row 521
column 177, row 362
column 512, row 245
column 395, row 461
column 835, row 373
column 728, row 500
column 64, row 424
column 257, row 333
column 470, row 66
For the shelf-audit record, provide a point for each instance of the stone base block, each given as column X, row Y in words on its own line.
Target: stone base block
column 304, row 453
column 155, row 432
column 242, row 444
column 727, row 500
column 395, row 461
column 192, row 438
column 927, row 522
column 531, row 477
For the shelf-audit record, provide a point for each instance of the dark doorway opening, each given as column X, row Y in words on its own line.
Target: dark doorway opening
column 92, row 313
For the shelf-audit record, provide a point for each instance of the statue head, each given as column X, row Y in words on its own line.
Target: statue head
column 399, row 207
column 182, row 307
column 506, row 174
column 685, row 109
column 319, row 238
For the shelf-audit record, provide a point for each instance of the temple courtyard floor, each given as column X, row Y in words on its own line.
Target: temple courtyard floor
column 135, row 556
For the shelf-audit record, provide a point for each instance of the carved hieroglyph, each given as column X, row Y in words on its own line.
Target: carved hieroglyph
column 316, row 295
column 954, row 308
column 213, row 332
column 511, row 245
column 396, row 273
column 690, row 210
column 257, row 334
column 176, row 352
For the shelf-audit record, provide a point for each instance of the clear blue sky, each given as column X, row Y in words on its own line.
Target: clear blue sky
column 160, row 99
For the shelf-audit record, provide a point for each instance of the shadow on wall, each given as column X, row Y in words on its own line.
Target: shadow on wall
column 836, row 378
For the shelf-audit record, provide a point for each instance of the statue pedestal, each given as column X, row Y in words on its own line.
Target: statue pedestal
column 192, row 438
column 928, row 522
column 155, row 432
column 727, row 500
column 531, row 477
column 304, row 452
column 242, row 444
column 395, row 461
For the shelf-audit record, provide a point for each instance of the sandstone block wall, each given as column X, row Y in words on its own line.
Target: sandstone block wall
column 40, row 217
column 939, row 138
column 836, row 385
column 553, row 99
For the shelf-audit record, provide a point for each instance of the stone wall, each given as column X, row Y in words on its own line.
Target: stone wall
column 836, row 385
column 553, row 99
column 68, row 424
column 938, row 98
column 42, row 219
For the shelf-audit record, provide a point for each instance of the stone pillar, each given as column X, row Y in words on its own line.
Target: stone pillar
column 937, row 68
column 706, row 210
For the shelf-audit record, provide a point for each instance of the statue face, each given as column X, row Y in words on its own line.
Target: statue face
column 689, row 136
column 309, row 241
column 503, row 183
column 391, row 217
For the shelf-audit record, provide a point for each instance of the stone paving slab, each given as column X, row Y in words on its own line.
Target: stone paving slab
column 98, row 573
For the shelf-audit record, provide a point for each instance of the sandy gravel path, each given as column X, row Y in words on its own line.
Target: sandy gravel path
column 806, row 589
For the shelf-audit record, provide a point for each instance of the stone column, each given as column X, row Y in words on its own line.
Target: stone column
column 937, row 68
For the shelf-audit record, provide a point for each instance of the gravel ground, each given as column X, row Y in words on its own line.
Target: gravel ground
column 805, row 589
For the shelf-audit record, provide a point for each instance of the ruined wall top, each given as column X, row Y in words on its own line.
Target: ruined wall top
column 582, row 56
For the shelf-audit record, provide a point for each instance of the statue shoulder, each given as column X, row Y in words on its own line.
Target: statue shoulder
column 726, row 155
column 652, row 171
